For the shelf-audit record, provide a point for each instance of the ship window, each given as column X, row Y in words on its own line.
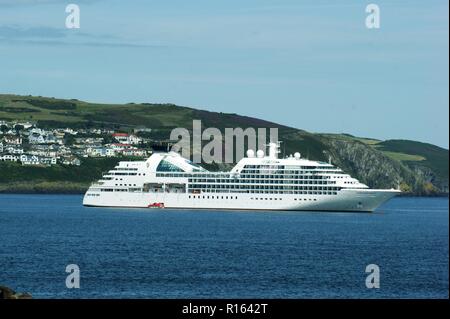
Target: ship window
column 165, row 166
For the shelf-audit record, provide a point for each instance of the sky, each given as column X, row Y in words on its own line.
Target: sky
column 310, row 64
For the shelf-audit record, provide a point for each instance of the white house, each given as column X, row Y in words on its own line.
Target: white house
column 48, row 160
column 70, row 131
column 29, row 159
column 63, row 150
column 134, row 140
column 110, row 152
column 100, row 152
column 39, row 136
column 13, row 149
column 36, row 136
column 95, row 131
column 12, row 139
column 121, row 137
column 125, row 138
column 9, row 158
column 71, row 160
column 36, row 160
column 134, row 152
column 43, row 153
column 119, row 147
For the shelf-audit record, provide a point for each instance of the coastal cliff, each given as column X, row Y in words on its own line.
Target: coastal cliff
column 378, row 170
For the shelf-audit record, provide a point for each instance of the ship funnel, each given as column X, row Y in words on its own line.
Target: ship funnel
column 274, row 149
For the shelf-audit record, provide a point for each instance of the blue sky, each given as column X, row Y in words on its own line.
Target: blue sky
column 308, row 64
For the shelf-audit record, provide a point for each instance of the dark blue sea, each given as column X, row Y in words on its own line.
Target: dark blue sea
column 141, row 253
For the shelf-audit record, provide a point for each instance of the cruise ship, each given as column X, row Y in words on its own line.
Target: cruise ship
column 259, row 181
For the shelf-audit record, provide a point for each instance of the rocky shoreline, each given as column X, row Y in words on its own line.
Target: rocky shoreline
column 8, row 293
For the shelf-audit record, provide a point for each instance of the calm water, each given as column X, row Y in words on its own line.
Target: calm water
column 188, row 254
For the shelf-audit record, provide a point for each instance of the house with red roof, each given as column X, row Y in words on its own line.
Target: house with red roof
column 125, row 138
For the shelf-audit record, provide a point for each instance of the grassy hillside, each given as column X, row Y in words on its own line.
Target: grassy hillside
column 411, row 152
column 418, row 167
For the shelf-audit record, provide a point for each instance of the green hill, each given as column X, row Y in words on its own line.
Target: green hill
column 419, row 167
column 427, row 155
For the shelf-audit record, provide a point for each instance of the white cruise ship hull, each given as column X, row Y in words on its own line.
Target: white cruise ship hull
column 351, row 200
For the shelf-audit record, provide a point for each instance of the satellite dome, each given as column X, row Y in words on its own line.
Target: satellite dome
column 250, row 153
column 260, row 153
column 297, row 155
